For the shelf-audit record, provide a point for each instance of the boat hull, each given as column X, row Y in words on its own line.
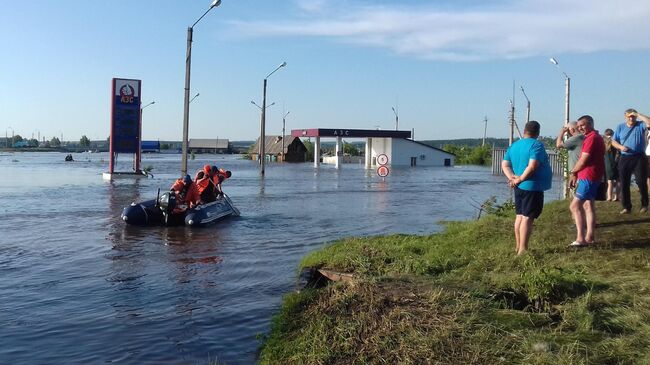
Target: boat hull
column 150, row 213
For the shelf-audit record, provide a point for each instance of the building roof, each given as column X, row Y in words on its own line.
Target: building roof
column 273, row 144
column 358, row 133
column 208, row 143
column 430, row 146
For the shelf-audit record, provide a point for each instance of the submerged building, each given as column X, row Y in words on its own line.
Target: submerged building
column 204, row 145
column 294, row 149
column 395, row 146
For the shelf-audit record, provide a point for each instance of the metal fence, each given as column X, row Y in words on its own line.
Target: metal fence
column 554, row 160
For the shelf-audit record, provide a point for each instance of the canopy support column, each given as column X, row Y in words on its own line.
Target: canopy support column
column 339, row 151
column 317, row 152
column 368, row 152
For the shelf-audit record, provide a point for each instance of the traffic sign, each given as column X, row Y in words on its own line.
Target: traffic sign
column 383, row 171
column 382, row 159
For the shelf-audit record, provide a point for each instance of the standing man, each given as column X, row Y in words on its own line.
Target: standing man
column 573, row 144
column 629, row 138
column 586, row 176
column 527, row 168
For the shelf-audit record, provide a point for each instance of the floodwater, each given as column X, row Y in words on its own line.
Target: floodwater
column 79, row 286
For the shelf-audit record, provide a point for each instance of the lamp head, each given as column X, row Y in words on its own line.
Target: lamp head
column 273, row 103
column 153, row 102
column 252, row 102
column 215, row 3
column 283, row 64
column 554, row 61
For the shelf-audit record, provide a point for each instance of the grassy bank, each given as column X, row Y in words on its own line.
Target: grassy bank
column 462, row 296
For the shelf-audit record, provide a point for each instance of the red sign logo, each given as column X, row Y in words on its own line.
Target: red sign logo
column 126, row 94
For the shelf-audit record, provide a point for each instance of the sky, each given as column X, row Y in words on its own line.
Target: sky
column 443, row 65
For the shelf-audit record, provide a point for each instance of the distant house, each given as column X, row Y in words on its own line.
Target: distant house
column 150, row 146
column 208, row 145
column 294, row 149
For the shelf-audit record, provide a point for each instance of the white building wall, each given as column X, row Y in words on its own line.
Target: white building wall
column 403, row 150
column 400, row 151
column 379, row 146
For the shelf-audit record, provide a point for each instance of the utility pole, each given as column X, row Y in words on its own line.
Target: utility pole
column 284, row 117
column 512, row 123
column 262, row 151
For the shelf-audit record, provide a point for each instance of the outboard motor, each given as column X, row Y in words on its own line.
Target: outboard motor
column 167, row 203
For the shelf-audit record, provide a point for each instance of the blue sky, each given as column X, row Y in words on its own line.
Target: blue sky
column 444, row 64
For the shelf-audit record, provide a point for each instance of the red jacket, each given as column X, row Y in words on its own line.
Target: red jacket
column 191, row 194
column 203, row 184
column 178, row 185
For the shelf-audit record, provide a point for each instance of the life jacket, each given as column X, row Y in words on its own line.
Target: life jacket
column 206, row 189
column 177, row 185
column 192, row 195
column 183, row 191
column 219, row 177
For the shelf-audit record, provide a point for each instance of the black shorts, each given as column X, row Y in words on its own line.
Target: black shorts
column 529, row 203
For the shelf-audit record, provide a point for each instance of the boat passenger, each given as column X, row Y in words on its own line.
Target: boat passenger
column 219, row 176
column 206, row 185
column 187, row 194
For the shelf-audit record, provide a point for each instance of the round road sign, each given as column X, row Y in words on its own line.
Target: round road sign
column 383, row 171
column 382, row 159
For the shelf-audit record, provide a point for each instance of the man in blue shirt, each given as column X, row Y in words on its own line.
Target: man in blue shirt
column 528, row 170
column 629, row 138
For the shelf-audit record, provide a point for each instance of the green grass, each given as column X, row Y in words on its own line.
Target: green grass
column 462, row 296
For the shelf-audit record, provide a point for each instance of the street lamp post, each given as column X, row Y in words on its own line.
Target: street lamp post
column 141, row 109
column 263, row 120
column 186, row 104
column 484, row 130
column 138, row 160
column 396, row 118
column 194, row 97
column 284, row 117
column 259, row 107
column 527, row 104
column 567, row 92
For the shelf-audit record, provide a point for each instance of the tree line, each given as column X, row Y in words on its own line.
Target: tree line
column 473, row 152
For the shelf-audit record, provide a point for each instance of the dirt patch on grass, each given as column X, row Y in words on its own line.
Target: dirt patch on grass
column 356, row 322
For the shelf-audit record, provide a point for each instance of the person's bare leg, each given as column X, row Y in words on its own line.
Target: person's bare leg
column 590, row 218
column 525, row 230
column 517, row 237
column 610, row 190
column 579, row 217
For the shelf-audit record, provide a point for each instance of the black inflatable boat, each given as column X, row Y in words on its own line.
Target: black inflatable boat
column 161, row 212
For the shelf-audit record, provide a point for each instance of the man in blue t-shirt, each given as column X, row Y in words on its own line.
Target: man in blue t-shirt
column 526, row 166
column 629, row 138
